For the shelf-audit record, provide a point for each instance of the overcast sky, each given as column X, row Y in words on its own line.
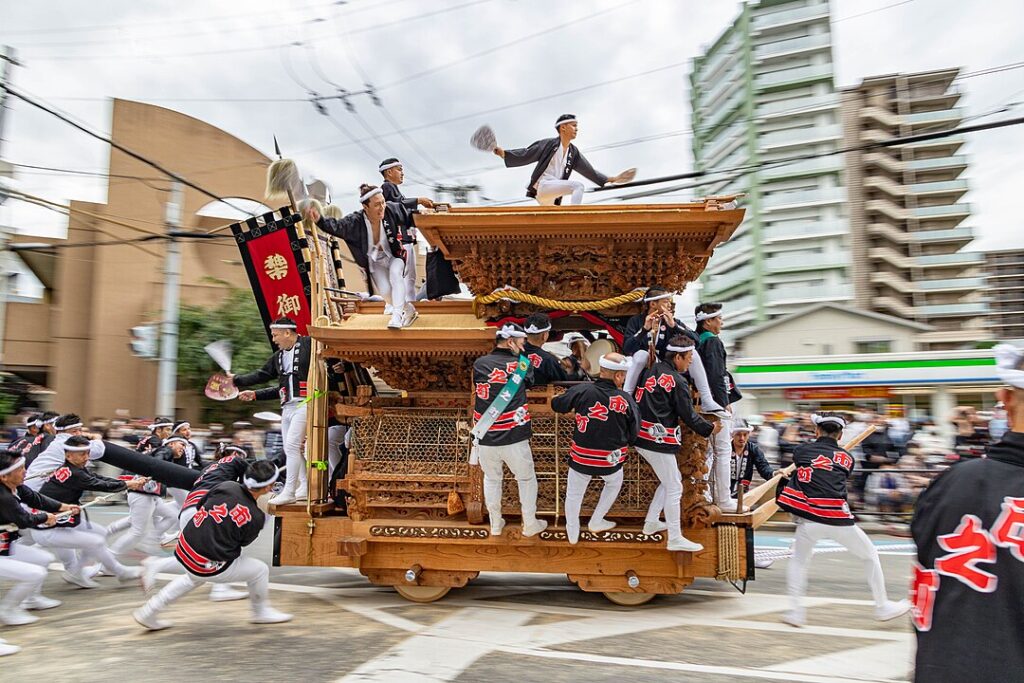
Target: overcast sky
column 445, row 67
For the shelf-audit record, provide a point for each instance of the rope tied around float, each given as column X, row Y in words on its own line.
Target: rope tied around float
column 513, row 294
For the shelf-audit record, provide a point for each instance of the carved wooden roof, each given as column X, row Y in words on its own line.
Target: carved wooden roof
column 583, row 252
column 436, row 353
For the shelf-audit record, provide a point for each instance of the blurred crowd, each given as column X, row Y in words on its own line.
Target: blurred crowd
column 261, row 440
column 897, row 460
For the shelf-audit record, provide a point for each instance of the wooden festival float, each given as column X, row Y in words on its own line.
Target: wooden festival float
column 415, row 516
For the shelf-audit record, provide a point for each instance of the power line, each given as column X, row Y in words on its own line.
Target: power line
column 872, row 11
column 750, row 168
column 116, row 145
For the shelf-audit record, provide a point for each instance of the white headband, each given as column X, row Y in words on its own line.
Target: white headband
column 574, row 337
column 284, row 326
column 77, row 449
column 679, row 349
column 834, row 419
column 370, row 194
column 51, row 421
column 20, row 462
column 509, row 331
column 1010, row 364
column 532, row 329
column 253, row 484
column 68, row 428
column 658, row 297
column 622, row 365
column 33, row 422
column 160, row 425
column 707, row 316
column 183, row 424
column 236, row 449
column 384, row 167
column 173, row 439
column 564, row 121
column 744, row 427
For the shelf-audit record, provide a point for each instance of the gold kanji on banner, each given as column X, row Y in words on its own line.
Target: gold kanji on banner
column 287, row 304
column 276, row 267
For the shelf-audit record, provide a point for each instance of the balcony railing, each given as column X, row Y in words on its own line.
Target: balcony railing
column 776, row 264
column 953, row 161
column 954, row 114
column 719, row 283
column 799, row 74
column 773, row 19
column 939, row 211
column 806, row 293
column 799, row 136
column 822, row 165
column 797, row 105
column 953, row 309
column 785, row 47
column 823, row 195
column 941, row 186
column 951, row 140
column 964, row 257
column 951, row 283
column 953, row 234
column 786, row 231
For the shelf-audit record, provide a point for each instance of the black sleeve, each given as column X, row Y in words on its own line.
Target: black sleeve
column 712, row 355
column 635, row 338
column 12, row 512
column 347, row 227
column 84, row 480
column 529, row 379
column 37, row 500
column 684, row 408
column 266, row 394
column 564, row 403
column 393, row 194
column 524, row 155
column 584, row 168
column 634, row 419
column 756, row 459
column 261, row 376
column 553, row 369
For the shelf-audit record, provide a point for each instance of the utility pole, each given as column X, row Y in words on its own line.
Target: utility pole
column 167, row 379
column 7, row 64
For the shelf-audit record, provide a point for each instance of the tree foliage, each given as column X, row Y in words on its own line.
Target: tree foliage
column 236, row 319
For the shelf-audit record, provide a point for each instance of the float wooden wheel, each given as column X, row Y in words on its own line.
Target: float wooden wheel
column 630, row 599
column 423, row 593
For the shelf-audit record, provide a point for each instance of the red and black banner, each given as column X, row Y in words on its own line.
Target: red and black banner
column 278, row 273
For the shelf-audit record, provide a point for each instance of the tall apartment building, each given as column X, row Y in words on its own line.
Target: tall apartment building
column 906, row 210
column 764, row 92
column 1005, row 290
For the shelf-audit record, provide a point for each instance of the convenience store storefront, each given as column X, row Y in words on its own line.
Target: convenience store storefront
column 919, row 384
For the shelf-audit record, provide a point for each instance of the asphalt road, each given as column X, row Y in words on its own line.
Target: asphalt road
column 502, row 627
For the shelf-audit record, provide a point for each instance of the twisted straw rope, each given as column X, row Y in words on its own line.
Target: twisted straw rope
column 522, row 297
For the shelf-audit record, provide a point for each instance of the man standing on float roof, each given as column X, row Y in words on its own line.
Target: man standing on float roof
column 556, row 159
column 394, row 173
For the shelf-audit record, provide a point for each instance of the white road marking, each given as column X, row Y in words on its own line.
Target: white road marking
column 871, row 662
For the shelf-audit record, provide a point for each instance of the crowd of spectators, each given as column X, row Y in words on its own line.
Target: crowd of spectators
column 898, row 459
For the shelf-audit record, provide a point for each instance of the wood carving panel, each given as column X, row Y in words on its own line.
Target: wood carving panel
column 423, row 372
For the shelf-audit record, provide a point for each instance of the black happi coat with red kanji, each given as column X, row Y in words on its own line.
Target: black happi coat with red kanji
column 663, row 396
column 817, row 488
column 607, row 421
column 226, row 521
column 490, row 375
column 968, row 581
column 228, row 468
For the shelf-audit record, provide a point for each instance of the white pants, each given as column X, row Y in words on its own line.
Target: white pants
column 669, row 494
column 696, row 372
column 550, row 190
column 26, row 567
column 293, row 432
column 178, row 495
column 808, row 534
column 89, row 539
column 410, row 271
column 144, row 510
column 519, row 459
column 575, row 487
column 719, row 458
column 253, row 572
column 335, row 440
column 388, row 277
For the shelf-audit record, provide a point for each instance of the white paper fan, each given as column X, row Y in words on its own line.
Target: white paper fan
column 484, row 139
column 221, row 352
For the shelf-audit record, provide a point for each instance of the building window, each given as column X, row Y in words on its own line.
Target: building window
column 874, row 346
